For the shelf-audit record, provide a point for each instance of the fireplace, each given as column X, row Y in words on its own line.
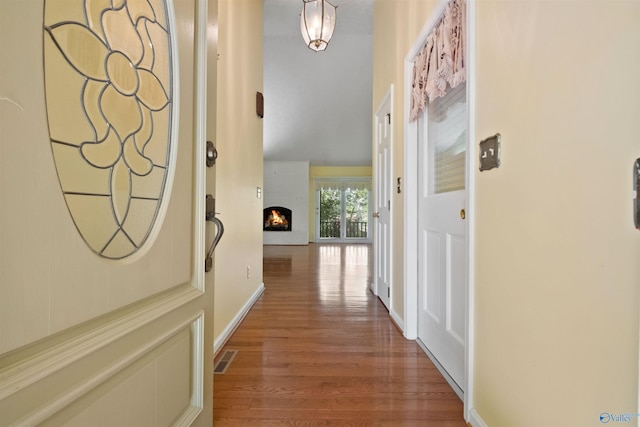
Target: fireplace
column 276, row 218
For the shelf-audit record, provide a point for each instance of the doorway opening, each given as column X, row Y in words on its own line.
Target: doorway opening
column 343, row 210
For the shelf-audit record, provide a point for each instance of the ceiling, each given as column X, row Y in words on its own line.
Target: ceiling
column 318, row 105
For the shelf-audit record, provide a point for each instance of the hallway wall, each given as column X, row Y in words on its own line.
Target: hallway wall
column 557, row 271
column 239, row 166
column 396, row 25
column 557, row 256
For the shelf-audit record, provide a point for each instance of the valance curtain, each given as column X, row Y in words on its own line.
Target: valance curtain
column 342, row 184
column 440, row 63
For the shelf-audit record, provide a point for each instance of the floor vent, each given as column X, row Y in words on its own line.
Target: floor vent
column 223, row 363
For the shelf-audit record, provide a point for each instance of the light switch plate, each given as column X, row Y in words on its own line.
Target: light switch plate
column 490, row 152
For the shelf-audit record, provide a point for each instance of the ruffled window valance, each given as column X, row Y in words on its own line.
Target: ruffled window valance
column 440, row 63
column 342, row 184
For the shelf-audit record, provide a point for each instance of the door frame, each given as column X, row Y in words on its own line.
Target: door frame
column 410, row 266
column 375, row 286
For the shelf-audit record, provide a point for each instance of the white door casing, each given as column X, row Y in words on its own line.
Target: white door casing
column 382, row 200
column 86, row 340
column 411, row 203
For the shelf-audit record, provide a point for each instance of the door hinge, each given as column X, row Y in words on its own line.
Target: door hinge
column 388, row 116
column 388, row 292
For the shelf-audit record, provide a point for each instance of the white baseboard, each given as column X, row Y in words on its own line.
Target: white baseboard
column 475, row 420
column 220, row 341
column 397, row 319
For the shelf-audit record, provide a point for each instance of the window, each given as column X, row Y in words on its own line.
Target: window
column 342, row 209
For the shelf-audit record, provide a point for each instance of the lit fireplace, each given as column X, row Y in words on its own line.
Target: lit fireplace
column 277, row 218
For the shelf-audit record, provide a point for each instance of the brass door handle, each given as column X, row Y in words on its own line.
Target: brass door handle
column 463, row 214
column 376, row 214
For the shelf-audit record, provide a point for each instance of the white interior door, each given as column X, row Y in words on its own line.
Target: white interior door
column 442, row 241
column 106, row 312
column 382, row 214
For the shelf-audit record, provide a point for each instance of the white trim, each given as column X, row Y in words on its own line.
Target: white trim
column 235, row 322
column 197, row 361
column 410, row 214
column 397, row 319
column 197, row 328
column 411, row 203
column 470, row 213
column 199, row 226
column 475, row 420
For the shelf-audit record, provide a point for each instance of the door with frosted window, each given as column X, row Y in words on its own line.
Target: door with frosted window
column 442, row 241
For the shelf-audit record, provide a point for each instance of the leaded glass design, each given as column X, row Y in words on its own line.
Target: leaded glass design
column 109, row 98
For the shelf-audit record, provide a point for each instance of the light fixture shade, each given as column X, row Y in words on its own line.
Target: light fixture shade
column 317, row 22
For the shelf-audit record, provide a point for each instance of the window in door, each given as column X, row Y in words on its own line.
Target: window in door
column 343, row 211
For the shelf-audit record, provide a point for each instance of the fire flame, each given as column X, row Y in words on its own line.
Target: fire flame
column 277, row 219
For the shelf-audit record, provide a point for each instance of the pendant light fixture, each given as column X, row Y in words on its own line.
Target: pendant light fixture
column 317, row 22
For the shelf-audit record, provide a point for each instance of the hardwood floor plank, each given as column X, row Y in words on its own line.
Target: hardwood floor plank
column 319, row 349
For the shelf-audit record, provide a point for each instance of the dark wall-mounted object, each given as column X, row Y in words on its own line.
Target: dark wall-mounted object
column 259, row 104
column 636, row 194
column 490, row 152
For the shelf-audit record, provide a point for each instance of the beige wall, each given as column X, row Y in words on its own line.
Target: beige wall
column 239, row 165
column 329, row 171
column 396, row 24
column 557, row 271
column 558, row 260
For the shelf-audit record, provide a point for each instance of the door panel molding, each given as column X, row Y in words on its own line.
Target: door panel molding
column 66, row 383
column 30, row 364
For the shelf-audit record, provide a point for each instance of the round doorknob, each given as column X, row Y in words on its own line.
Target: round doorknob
column 463, row 214
column 375, row 215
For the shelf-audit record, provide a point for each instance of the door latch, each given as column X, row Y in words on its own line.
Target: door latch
column 210, row 211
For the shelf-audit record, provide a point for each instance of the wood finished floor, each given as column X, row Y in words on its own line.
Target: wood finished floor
column 319, row 349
